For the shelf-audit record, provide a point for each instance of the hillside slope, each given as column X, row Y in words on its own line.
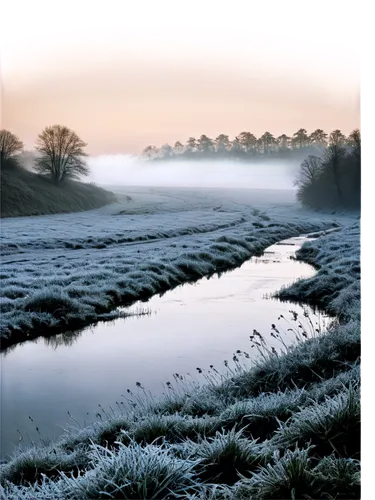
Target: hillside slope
column 25, row 193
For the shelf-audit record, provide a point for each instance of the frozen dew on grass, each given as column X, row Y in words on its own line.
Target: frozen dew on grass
column 50, row 283
column 238, row 425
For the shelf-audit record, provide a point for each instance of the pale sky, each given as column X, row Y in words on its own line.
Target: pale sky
column 125, row 74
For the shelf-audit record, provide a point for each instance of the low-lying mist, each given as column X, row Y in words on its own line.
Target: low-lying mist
column 128, row 170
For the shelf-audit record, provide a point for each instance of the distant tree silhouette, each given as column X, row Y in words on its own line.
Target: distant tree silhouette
column 336, row 137
column 61, row 154
column 166, row 151
column 354, row 142
column 222, row 144
column 10, row 146
column 236, row 148
column 247, row 147
column 267, row 142
column 318, row 137
column 191, row 144
column 149, row 151
column 205, row 144
column 178, row 147
column 248, row 141
column 283, row 141
column 300, row 138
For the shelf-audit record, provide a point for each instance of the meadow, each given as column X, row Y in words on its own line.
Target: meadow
column 285, row 426
column 63, row 272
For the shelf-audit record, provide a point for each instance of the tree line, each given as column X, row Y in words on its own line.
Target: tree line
column 246, row 146
column 329, row 176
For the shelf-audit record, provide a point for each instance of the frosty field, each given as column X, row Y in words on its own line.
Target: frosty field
column 67, row 271
column 284, row 426
column 195, row 325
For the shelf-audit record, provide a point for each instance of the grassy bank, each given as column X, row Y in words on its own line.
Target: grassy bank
column 24, row 193
column 64, row 292
column 336, row 286
column 285, row 427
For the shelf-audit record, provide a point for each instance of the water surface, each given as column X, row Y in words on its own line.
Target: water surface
column 192, row 326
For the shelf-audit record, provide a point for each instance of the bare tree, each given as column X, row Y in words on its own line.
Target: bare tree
column 310, row 171
column 61, row 154
column 10, row 146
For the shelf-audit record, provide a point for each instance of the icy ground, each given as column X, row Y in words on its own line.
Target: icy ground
column 70, row 270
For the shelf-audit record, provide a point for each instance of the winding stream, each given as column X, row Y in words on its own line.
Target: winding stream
column 192, row 326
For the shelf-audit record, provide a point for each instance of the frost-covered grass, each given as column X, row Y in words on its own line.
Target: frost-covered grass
column 337, row 284
column 148, row 452
column 284, row 426
column 64, row 272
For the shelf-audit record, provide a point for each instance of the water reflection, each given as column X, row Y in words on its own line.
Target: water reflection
column 194, row 325
column 68, row 338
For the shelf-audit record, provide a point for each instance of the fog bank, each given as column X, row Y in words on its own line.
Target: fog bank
column 129, row 170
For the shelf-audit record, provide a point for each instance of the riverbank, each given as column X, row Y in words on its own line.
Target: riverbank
column 287, row 427
column 66, row 272
column 195, row 325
